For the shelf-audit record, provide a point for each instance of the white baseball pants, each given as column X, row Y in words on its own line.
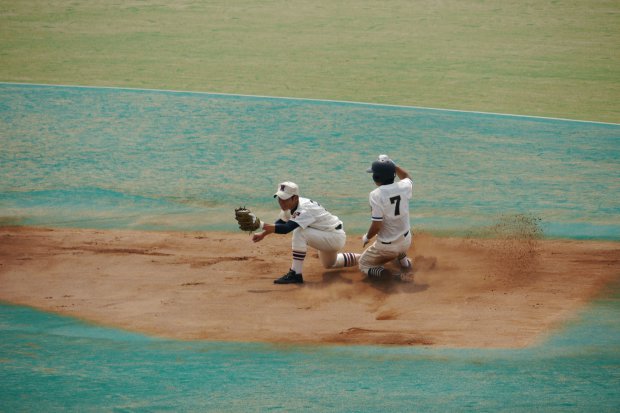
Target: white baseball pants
column 379, row 253
column 328, row 243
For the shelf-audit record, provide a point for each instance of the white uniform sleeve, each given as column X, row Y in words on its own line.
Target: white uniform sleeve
column 376, row 208
column 302, row 217
column 408, row 183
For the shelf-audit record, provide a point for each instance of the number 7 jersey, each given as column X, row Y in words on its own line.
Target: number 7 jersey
column 390, row 205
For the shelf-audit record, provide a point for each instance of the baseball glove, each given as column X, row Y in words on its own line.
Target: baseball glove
column 247, row 220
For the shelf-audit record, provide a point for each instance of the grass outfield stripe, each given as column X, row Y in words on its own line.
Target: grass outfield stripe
column 310, row 100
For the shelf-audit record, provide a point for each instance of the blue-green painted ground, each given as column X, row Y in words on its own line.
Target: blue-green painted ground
column 53, row 363
column 110, row 158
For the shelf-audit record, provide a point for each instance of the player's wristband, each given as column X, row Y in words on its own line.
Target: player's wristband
column 365, row 239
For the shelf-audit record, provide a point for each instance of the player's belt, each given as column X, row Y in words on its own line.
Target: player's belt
column 404, row 235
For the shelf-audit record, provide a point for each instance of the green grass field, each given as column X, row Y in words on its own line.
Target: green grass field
column 544, row 58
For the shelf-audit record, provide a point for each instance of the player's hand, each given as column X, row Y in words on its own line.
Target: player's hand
column 258, row 237
column 365, row 240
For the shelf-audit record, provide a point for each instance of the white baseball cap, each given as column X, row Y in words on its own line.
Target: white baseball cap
column 286, row 190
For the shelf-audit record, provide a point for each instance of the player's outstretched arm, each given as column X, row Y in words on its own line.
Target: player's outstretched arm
column 267, row 229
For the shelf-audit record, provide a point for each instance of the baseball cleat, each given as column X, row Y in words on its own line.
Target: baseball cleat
column 408, row 266
column 290, row 277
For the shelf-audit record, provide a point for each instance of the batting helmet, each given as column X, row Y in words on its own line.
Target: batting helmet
column 383, row 172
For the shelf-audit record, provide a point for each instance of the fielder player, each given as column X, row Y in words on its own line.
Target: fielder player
column 389, row 205
column 311, row 225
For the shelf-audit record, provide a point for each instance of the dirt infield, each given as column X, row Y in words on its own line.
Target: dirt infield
column 496, row 293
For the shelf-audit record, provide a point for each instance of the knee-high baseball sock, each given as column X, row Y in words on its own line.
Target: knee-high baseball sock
column 298, row 261
column 346, row 259
column 377, row 272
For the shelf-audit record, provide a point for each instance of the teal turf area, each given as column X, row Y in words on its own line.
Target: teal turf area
column 112, row 158
column 59, row 364
column 154, row 160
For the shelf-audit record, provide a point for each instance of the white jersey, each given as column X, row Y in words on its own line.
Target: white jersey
column 390, row 205
column 310, row 214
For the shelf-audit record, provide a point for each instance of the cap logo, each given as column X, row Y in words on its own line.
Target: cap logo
column 282, row 187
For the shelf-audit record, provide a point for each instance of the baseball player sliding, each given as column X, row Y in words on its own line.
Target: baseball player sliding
column 311, row 224
column 389, row 205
